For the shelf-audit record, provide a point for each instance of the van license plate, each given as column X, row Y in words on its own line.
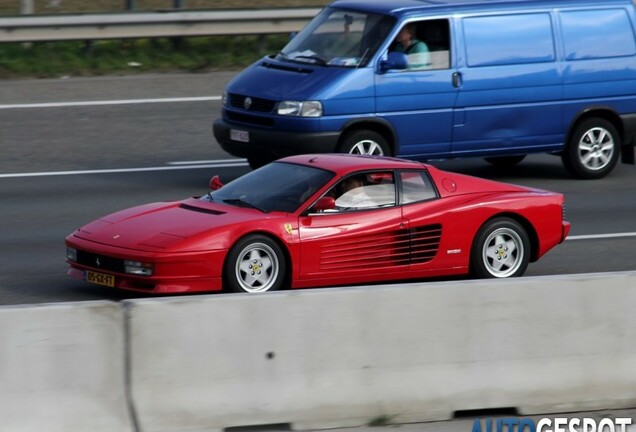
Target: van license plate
column 239, row 135
column 100, row 278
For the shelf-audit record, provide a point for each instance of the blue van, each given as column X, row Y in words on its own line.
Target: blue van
column 497, row 79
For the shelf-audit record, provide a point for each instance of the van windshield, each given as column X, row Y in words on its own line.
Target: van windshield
column 337, row 37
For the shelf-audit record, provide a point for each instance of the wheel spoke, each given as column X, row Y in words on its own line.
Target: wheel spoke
column 586, row 158
column 509, row 261
column 358, row 148
column 250, row 279
column 603, row 159
column 267, row 263
column 511, row 246
column 244, row 266
column 608, row 147
column 497, row 264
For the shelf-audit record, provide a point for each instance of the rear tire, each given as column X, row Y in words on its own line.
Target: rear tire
column 593, row 149
column 365, row 142
column 501, row 249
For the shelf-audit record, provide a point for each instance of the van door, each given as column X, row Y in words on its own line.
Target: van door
column 419, row 101
column 511, row 86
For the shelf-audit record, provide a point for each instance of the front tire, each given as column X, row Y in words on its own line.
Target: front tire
column 255, row 264
column 365, row 142
column 501, row 249
column 593, row 149
column 256, row 162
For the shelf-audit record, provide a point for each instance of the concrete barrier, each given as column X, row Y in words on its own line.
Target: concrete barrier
column 62, row 368
column 329, row 358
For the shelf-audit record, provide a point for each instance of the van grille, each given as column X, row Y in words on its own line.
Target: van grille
column 249, row 119
column 257, row 104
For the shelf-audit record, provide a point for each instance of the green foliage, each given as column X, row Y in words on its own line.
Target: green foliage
column 79, row 58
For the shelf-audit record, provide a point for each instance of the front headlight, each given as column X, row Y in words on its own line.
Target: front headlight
column 71, row 254
column 138, row 268
column 224, row 98
column 300, row 109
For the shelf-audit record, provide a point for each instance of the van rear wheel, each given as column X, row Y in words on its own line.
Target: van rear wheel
column 365, row 142
column 593, row 149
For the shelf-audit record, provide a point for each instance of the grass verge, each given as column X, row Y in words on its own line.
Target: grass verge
column 112, row 57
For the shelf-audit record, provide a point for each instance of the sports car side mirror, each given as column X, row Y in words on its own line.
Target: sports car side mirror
column 324, row 203
column 216, row 183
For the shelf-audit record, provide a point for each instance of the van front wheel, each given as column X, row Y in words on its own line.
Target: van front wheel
column 593, row 149
column 365, row 142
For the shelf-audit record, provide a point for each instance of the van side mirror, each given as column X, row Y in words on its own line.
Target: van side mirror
column 394, row 60
column 216, row 183
column 324, row 203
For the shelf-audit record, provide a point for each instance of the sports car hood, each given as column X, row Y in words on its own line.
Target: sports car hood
column 187, row 225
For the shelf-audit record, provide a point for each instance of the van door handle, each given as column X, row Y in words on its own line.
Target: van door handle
column 457, row 79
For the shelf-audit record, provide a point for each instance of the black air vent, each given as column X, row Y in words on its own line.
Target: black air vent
column 297, row 69
column 249, row 119
column 201, row 210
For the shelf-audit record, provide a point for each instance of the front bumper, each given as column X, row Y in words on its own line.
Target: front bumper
column 274, row 143
column 173, row 272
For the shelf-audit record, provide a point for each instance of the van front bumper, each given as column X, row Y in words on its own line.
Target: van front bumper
column 275, row 144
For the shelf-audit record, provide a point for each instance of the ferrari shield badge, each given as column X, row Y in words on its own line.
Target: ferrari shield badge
column 288, row 228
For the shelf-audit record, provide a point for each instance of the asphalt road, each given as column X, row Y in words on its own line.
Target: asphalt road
column 50, row 129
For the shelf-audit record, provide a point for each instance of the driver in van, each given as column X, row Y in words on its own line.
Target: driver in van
column 415, row 49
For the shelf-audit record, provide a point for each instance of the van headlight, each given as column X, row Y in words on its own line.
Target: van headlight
column 300, row 109
column 224, row 98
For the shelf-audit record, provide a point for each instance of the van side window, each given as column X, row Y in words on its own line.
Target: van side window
column 529, row 39
column 583, row 32
column 430, row 47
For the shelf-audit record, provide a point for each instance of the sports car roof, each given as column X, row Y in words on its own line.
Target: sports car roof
column 341, row 161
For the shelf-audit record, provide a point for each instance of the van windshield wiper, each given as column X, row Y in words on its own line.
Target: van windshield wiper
column 240, row 203
column 317, row 59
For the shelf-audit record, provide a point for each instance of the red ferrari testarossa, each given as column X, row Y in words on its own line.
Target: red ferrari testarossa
column 321, row 220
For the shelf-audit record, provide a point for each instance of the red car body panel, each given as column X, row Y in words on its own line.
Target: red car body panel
column 188, row 241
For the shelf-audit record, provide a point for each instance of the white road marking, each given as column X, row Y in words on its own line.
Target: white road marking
column 601, row 236
column 219, row 164
column 199, row 162
column 110, row 102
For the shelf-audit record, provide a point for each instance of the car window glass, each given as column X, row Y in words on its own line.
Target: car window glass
column 416, row 186
column 277, row 186
column 430, row 46
column 364, row 191
column 339, row 38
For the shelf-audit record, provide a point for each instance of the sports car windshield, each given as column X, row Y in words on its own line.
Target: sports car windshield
column 278, row 186
column 337, row 37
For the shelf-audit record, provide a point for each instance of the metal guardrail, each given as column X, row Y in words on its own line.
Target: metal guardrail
column 153, row 24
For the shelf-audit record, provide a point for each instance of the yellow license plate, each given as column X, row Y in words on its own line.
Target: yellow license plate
column 100, row 279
